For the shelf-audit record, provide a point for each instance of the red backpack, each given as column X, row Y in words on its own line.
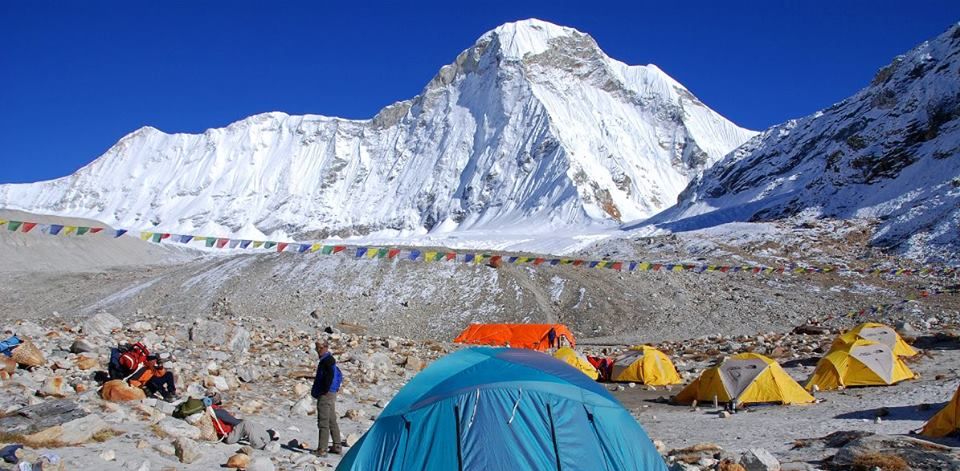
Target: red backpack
column 134, row 358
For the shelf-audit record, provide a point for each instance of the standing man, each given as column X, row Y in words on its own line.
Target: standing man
column 325, row 387
column 552, row 336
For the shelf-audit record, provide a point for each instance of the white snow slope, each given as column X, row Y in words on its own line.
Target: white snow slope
column 532, row 129
column 891, row 152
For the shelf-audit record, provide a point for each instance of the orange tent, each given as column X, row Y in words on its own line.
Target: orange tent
column 530, row 336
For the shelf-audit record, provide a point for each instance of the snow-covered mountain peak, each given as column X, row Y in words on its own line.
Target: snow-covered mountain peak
column 520, row 38
column 891, row 152
column 533, row 129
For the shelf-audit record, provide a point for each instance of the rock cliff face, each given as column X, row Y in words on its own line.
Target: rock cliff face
column 531, row 127
column 890, row 152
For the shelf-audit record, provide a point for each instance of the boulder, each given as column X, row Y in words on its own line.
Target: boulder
column 75, row 432
column 28, row 355
column 119, row 391
column 7, row 364
column 82, row 346
column 238, row 461
column 53, row 386
column 176, row 428
column 261, row 463
column 759, row 459
column 101, row 324
column 248, row 374
column 895, row 452
column 352, row 439
column 209, row 333
column 301, row 389
column 306, row 405
column 84, row 363
column 33, row 418
column 186, row 450
column 239, row 340
column 141, row 326
column 414, row 363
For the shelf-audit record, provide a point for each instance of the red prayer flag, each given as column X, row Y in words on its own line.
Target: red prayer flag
column 164, row 236
column 94, row 230
column 538, row 261
column 336, row 248
column 577, row 263
column 28, row 225
column 393, row 253
column 451, row 256
column 222, row 242
column 617, row 266
column 657, row 266
column 281, row 246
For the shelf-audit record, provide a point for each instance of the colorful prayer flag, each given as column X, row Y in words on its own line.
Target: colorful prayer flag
column 327, row 249
column 361, row 251
column 82, row 230
column 27, row 226
column 281, row 246
column 156, row 237
column 414, row 254
column 393, row 253
column 119, row 233
column 211, row 241
column 13, row 225
column 222, row 243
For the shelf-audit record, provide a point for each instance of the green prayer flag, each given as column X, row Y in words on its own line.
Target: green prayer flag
column 211, row 241
column 327, row 250
column 82, row 230
column 14, row 225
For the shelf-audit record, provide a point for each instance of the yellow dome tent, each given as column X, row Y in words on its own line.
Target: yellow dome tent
column 945, row 422
column 875, row 332
column 576, row 360
column 746, row 378
column 861, row 363
column 645, row 364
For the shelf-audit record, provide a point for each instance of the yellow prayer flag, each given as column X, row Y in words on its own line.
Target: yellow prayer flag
column 430, row 256
column 146, row 235
column 601, row 264
column 313, row 248
column 257, row 244
column 372, row 252
column 643, row 266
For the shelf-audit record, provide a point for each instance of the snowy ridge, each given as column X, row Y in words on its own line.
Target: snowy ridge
column 891, row 153
column 532, row 129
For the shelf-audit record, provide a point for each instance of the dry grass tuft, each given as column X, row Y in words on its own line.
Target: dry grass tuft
column 884, row 461
column 105, row 434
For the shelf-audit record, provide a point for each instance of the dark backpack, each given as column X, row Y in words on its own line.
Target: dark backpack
column 337, row 379
column 113, row 368
column 189, row 407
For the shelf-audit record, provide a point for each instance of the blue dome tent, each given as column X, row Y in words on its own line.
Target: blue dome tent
column 503, row 409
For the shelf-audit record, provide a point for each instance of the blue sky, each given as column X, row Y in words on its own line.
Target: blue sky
column 77, row 76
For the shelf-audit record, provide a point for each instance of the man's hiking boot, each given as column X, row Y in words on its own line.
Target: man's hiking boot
column 336, row 449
